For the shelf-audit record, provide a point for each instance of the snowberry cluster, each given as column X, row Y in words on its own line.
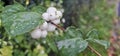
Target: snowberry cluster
column 51, row 15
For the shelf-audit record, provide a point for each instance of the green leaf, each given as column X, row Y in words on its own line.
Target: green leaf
column 13, row 8
column 39, row 51
column 52, row 44
column 104, row 43
column 39, row 9
column 71, row 47
column 22, row 22
column 0, row 24
column 18, row 53
column 6, row 51
column 72, row 32
column 92, row 34
column 1, row 6
column 19, row 38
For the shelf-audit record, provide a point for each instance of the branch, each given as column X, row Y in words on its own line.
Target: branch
column 56, row 25
column 92, row 49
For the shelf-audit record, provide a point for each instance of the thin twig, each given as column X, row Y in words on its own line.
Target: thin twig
column 57, row 26
column 92, row 49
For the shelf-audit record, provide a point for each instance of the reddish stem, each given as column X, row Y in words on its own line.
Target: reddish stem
column 92, row 49
column 57, row 26
column 97, row 53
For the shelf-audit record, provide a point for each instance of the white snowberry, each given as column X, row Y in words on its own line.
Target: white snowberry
column 52, row 16
column 45, row 16
column 56, row 21
column 36, row 33
column 44, row 33
column 51, row 10
column 58, row 14
column 63, row 20
column 51, row 27
column 44, row 26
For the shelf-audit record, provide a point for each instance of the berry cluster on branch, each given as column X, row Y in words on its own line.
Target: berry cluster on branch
column 52, row 18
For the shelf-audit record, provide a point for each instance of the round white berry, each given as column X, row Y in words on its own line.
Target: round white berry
column 56, row 21
column 63, row 20
column 51, row 10
column 52, row 16
column 36, row 33
column 45, row 16
column 44, row 26
column 51, row 27
column 44, row 33
column 58, row 14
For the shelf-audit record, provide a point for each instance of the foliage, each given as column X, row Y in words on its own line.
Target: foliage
column 18, row 21
column 6, row 51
